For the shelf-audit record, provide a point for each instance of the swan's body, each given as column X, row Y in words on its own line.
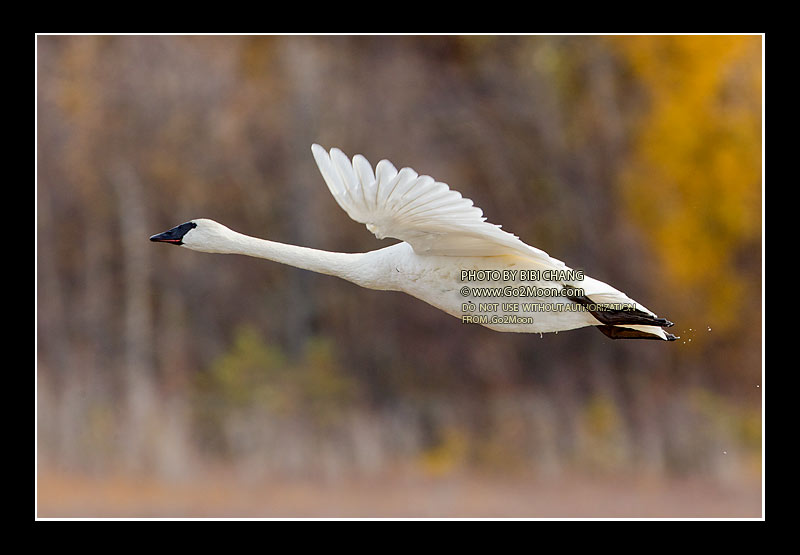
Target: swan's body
column 447, row 247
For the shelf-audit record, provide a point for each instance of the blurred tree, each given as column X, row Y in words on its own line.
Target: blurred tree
column 694, row 182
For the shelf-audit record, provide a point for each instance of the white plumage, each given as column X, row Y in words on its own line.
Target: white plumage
column 443, row 236
column 424, row 213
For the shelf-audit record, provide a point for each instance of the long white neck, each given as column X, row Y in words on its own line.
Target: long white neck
column 331, row 263
column 351, row 267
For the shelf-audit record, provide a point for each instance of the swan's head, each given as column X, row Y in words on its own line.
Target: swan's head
column 200, row 235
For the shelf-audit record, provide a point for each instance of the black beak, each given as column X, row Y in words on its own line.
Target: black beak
column 174, row 235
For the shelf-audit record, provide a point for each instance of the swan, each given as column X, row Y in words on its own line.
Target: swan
column 449, row 256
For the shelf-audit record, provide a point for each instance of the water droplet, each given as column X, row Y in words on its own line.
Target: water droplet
column 709, row 328
column 689, row 339
column 724, row 452
column 541, row 335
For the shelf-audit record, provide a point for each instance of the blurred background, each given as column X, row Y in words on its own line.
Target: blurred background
column 182, row 384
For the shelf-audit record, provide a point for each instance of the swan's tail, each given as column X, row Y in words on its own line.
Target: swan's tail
column 630, row 322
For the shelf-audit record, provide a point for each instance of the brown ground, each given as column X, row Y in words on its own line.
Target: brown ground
column 61, row 495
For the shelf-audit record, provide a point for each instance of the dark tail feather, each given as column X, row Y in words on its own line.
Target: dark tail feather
column 619, row 317
column 626, row 333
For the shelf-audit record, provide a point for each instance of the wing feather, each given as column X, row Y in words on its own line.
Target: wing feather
column 425, row 213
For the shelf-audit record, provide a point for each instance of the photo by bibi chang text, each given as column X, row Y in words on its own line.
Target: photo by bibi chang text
column 522, row 275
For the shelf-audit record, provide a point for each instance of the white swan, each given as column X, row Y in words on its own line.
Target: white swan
column 449, row 257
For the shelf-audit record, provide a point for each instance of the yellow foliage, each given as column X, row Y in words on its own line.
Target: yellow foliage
column 740, row 425
column 602, row 434
column 601, row 418
column 255, row 373
column 447, row 455
column 694, row 183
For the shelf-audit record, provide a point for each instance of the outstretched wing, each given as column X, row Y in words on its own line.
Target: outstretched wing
column 427, row 214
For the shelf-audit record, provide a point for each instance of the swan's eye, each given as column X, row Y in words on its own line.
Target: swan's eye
column 174, row 235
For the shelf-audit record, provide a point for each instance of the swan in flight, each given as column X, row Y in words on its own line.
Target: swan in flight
column 449, row 256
